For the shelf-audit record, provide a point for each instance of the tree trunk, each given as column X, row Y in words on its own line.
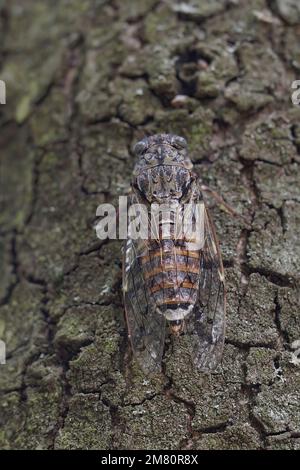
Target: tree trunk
column 84, row 81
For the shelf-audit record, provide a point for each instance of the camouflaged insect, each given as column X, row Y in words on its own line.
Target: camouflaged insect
column 172, row 280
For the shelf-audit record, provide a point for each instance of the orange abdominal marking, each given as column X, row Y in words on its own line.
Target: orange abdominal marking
column 173, row 267
column 177, row 251
column 187, row 285
column 177, row 300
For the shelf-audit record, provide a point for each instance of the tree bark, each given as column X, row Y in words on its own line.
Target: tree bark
column 85, row 80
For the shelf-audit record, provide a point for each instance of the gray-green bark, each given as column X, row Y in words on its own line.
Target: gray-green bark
column 85, row 80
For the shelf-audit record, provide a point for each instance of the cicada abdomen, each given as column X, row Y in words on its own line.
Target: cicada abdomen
column 174, row 274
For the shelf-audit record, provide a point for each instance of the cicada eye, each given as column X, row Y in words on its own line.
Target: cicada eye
column 140, row 147
column 179, row 142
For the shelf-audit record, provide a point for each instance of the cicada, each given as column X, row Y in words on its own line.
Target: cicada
column 170, row 279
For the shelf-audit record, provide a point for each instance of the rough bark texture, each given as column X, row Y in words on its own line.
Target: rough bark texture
column 85, row 79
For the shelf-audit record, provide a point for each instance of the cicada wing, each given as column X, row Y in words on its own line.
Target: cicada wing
column 206, row 325
column 146, row 327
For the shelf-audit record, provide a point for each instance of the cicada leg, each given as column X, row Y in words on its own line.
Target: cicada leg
column 225, row 206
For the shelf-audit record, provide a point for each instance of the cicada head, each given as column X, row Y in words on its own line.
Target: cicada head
column 161, row 149
column 162, row 171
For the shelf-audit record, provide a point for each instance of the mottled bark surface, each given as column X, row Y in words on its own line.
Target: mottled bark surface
column 86, row 79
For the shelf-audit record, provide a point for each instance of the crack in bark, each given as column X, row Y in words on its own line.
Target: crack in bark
column 14, row 271
column 276, row 278
column 250, row 392
column 283, row 335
